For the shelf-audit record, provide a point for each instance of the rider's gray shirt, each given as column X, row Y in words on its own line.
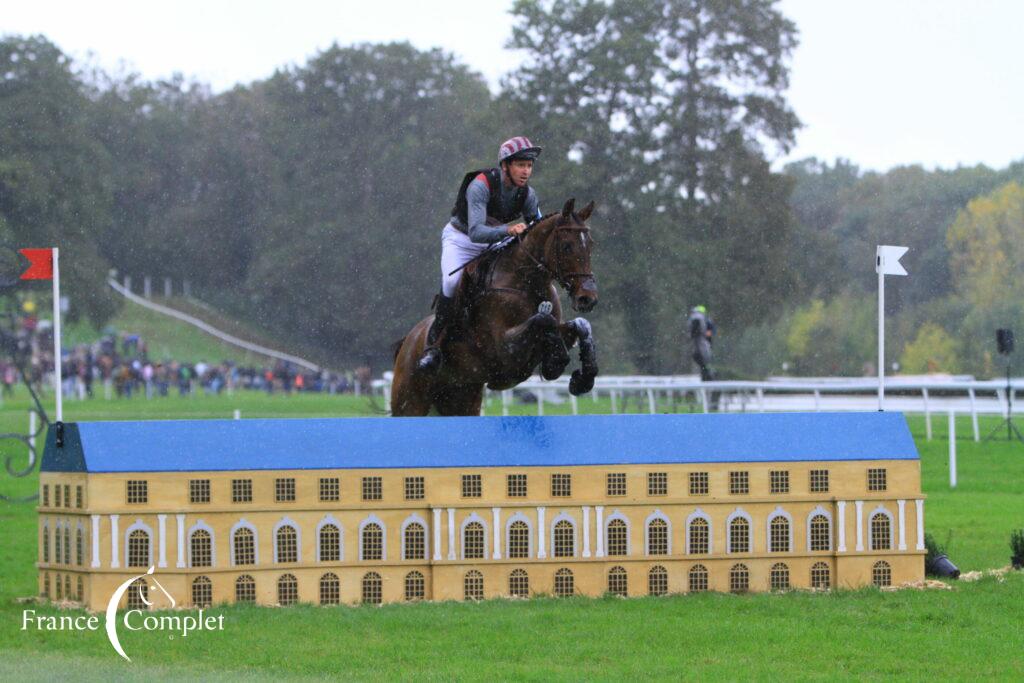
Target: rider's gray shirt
column 477, row 196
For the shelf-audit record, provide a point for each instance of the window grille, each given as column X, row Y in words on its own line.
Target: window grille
column 821, row 533
column 330, row 489
column 415, row 542
column 245, row 589
column 564, row 583
column 880, row 530
column 617, row 538
column 657, row 483
column 473, row 585
column 778, row 578
column 373, row 542
column 287, row 590
column 819, row 481
column 657, row 537
column 67, row 495
column 698, row 578
column 700, row 538
column 739, row 483
column 473, row 541
column 821, row 576
column 138, row 595
column 616, row 483
column 415, row 488
column 779, row 481
column 202, row 592
column 561, row 485
column 330, row 589
column 67, row 545
column 372, row 589
column 245, row 546
column 565, row 539
column 518, row 540
column 618, row 581
column 739, row 579
column 415, row 587
column 202, row 549
column 779, row 541
column 471, row 486
column 241, row 490
column 330, row 543
column 516, row 485
column 284, row 490
column 373, row 488
column 287, row 544
column 198, row 491
column 138, row 491
column 519, row 584
column 876, row 479
column 881, row 574
column 657, row 581
column 79, row 500
column 138, row 549
column 699, row 484
column 739, row 536
column 46, row 495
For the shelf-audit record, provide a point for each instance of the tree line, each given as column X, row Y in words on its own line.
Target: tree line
column 311, row 202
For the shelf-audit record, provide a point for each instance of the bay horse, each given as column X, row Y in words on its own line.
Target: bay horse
column 509, row 321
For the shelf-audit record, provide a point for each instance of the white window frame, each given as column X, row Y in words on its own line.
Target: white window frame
column 700, row 514
column 575, row 535
column 416, row 519
column 200, row 525
column 657, row 514
column 777, row 512
column 519, row 517
column 736, row 514
column 243, row 524
column 374, row 519
column 288, row 521
column 330, row 519
column 473, row 517
column 831, row 525
column 892, row 527
column 139, row 524
column 616, row 514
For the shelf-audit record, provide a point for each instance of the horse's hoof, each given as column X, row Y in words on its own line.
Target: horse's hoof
column 580, row 384
column 545, row 307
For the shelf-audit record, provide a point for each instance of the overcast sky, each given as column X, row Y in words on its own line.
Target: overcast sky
column 882, row 83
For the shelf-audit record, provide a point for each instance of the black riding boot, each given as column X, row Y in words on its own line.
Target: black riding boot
column 432, row 358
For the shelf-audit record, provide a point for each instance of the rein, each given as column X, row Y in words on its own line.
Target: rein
column 557, row 274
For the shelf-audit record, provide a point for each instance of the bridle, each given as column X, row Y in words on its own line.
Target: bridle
column 557, row 274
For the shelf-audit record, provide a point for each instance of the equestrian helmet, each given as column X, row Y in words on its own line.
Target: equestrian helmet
column 518, row 147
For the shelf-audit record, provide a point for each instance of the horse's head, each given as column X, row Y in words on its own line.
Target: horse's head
column 567, row 253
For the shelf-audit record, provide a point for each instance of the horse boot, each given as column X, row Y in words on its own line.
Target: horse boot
column 432, row 357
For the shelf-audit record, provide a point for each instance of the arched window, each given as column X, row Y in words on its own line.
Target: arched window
column 245, row 589
column 473, row 541
column 414, row 586
column 564, row 583
column 46, row 543
column 330, row 544
column 699, row 537
column 202, row 592
column 287, row 544
column 778, row 578
column 821, row 578
column 778, row 541
column 881, row 574
column 59, row 586
column 287, row 590
column 881, row 532
column 244, row 542
column 698, row 578
column 79, row 546
column 46, row 585
column 138, row 594
column 330, row 589
column 138, row 548
column 58, row 544
column 820, row 533
column 565, row 539
column 473, row 585
column 373, row 544
column 200, row 549
column 67, row 541
column 618, row 538
column 657, row 537
column 415, row 546
column 67, row 586
column 657, row 581
column 739, row 579
column 618, row 581
column 518, row 540
column 372, row 589
column 739, row 535
column 80, row 593
column 519, row 584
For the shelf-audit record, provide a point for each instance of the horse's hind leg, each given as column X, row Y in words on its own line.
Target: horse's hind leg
column 579, row 330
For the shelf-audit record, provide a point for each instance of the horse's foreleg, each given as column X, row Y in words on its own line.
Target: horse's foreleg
column 537, row 340
column 579, row 330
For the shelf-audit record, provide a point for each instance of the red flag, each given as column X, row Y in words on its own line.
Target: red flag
column 40, row 264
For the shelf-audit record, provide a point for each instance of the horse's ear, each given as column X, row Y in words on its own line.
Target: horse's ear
column 567, row 209
column 585, row 212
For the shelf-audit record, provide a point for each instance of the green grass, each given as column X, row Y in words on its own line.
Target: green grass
column 971, row 631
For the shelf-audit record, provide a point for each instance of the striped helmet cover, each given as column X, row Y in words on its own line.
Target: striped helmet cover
column 513, row 146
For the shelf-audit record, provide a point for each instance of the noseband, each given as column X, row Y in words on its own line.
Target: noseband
column 557, row 274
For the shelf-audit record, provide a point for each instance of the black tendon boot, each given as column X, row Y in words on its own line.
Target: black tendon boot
column 432, row 358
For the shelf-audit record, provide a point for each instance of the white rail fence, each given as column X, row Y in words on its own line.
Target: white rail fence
column 678, row 393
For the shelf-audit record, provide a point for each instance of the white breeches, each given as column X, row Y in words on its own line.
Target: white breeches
column 456, row 249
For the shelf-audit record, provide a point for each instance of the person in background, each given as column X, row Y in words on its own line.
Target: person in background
column 702, row 332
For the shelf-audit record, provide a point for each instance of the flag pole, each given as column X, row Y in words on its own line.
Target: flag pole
column 59, row 426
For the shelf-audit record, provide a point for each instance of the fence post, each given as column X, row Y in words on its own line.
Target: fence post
column 506, row 396
column 615, row 403
column 147, row 287
column 760, row 399
column 167, row 288
column 540, row 401
column 651, row 402
column 238, row 414
column 128, row 282
column 974, row 415
column 575, row 406
column 952, row 450
column 927, row 414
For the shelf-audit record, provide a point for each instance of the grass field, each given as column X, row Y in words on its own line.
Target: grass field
column 971, row 631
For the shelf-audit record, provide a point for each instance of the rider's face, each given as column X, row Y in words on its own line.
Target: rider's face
column 519, row 171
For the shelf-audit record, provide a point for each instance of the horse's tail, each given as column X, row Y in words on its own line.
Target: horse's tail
column 396, row 347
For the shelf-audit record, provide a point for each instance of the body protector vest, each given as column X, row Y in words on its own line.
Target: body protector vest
column 494, row 204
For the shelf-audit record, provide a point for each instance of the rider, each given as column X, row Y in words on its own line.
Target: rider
column 492, row 204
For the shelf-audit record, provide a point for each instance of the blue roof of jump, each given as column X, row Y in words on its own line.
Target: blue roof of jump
column 387, row 443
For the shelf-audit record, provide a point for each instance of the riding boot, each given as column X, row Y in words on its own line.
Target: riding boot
column 432, row 357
